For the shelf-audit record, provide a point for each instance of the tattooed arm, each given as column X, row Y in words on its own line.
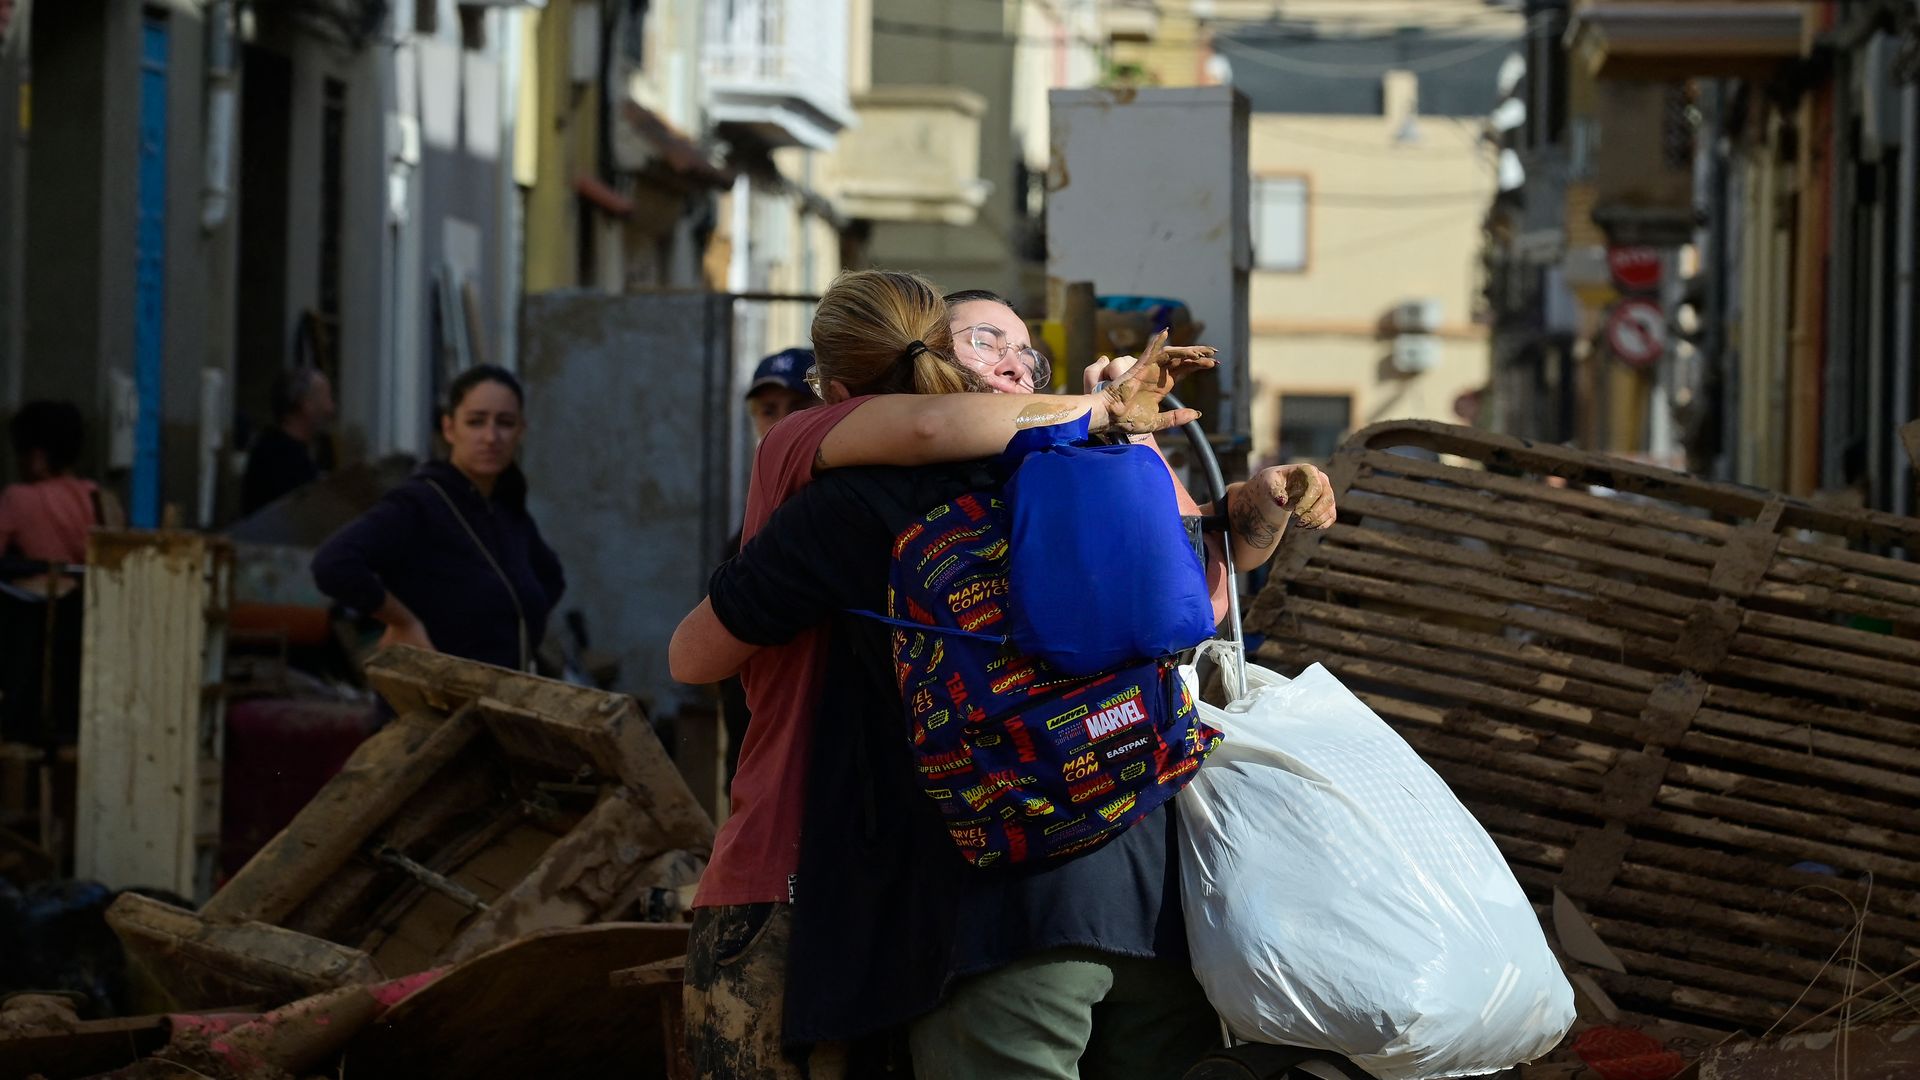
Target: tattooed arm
column 1259, row 509
column 915, row 429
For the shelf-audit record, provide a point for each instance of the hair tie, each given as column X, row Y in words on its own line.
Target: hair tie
column 914, row 348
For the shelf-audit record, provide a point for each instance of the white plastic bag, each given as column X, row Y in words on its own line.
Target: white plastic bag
column 1339, row 897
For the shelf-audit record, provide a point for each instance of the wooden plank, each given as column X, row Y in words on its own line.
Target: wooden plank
column 1457, row 605
column 152, row 639
column 1606, row 606
column 1668, row 1000
column 1621, row 474
column 595, row 872
column 1758, row 646
column 202, row 964
column 1579, row 502
column 1826, row 632
column 537, row 1006
column 1540, row 705
column 1711, row 917
column 1828, row 980
column 554, row 721
column 1812, row 714
column 1896, row 871
column 1797, row 918
column 1837, row 579
column 383, row 773
column 1859, row 839
column 659, row 976
column 1893, row 748
column 1757, row 884
column 1807, row 680
column 1483, row 507
column 1795, row 761
column 1450, row 659
column 1554, row 575
column 82, row 1048
column 1511, row 536
column 1640, row 956
column 1897, row 815
column 1435, row 747
column 1390, row 625
column 1820, row 598
column 1848, row 559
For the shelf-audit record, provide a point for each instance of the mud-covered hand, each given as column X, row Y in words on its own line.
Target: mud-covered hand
column 1133, row 400
column 1107, row 369
column 1309, row 494
column 1263, row 504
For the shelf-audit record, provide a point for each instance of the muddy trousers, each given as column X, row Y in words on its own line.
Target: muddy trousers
column 735, row 990
column 1068, row 1014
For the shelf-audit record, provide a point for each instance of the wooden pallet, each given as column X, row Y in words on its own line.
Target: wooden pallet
column 1660, row 695
column 496, row 805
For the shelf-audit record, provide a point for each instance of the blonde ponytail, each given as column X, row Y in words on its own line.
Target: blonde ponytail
column 885, row 332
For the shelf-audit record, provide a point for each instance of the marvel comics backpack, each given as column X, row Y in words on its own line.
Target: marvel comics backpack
column 1026, row 762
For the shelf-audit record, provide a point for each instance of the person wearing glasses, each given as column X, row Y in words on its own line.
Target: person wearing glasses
column 991, row 340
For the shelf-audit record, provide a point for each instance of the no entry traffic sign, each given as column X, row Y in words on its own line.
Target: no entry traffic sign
column 1637, row 332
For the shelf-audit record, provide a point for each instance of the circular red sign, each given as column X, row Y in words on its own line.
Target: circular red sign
column 1635, row 269
column 1637, row 332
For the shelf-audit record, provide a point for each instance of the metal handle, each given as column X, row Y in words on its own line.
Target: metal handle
column 1217, row 483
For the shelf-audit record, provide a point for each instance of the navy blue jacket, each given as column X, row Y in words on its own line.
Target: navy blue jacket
column 410, row 544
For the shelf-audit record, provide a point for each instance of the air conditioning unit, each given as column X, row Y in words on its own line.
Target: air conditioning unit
column 1415, row 354
column 1416, row 317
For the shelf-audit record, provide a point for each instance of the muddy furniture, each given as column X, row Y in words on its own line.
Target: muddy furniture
column 1691, row 708
column 496, row 805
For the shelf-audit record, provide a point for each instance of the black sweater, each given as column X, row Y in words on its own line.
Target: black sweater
column 411, row 544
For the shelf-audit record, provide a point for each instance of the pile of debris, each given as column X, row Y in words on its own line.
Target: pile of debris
column 1688, row 712
column 457, row 901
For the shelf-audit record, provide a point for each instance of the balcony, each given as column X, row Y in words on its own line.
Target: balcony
column 777, row 70
column 1684, row 39
column 915, row 156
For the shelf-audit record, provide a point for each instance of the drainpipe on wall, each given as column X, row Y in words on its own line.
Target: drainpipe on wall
column 1906, row 295
column 216, row 195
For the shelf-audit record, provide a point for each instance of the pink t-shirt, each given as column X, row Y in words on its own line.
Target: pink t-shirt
column 758, row 848
column 48, row 519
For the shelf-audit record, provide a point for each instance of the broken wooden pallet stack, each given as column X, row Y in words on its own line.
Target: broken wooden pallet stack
column 497, row 804
column 1690, row 706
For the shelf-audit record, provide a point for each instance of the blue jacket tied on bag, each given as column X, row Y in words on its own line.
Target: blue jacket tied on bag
column 1101, row 565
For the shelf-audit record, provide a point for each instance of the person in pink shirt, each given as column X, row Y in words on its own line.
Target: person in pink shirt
column 45, row 518
column 44, row 521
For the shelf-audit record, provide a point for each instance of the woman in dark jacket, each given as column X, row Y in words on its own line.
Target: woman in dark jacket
column 450, row 560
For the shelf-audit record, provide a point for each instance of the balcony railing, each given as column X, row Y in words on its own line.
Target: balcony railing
column 779, row 68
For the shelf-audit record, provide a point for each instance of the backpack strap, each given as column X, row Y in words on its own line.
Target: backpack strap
column 520, row 613
column 951, row 631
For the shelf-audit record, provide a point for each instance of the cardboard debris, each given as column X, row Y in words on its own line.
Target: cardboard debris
column 496, row 805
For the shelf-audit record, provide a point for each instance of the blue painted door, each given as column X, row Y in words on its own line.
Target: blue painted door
column 150, row 274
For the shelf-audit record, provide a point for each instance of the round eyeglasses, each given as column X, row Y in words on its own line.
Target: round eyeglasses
column 990, row 345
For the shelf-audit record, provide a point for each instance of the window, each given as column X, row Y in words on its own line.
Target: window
column 1280, row 223
column 1312, row 425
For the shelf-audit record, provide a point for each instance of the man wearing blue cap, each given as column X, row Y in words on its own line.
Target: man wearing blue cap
column 779, row 388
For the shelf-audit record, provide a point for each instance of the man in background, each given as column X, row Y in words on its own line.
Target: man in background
column 286, row 456
column 778, row 390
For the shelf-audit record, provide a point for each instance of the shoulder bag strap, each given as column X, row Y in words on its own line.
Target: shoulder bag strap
column 526, row 660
